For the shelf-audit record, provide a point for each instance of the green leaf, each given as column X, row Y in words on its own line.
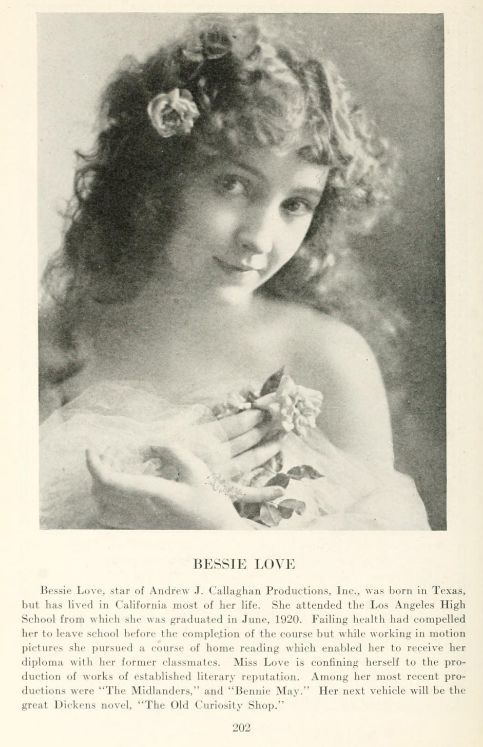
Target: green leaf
column 303, row 471
column 271, row 384
column 279, row 479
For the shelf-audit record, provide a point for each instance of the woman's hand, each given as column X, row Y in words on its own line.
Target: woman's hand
column 196, row 499
column 244, row 434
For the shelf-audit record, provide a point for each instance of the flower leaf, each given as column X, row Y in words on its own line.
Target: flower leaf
column 258, row 477
column 280, row 479
column 285, row 512
column 271, row 384
column 269, row 515
column 247, row 510
column 275, row 463
column 303, row 471
column 291, row 504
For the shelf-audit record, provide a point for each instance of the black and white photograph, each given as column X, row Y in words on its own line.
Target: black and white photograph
column 242, row 291
column 242, row 271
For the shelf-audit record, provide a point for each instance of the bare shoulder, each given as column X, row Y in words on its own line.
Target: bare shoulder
column 316, row 338
column 329, row 355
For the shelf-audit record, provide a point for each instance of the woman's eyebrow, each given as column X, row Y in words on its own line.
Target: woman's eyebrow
column 309, row 191
column 302, row 189
column 246, row 167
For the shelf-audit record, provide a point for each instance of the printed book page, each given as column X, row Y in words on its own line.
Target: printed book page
column 352, row 615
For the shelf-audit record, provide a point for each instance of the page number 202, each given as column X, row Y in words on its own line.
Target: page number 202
column 241, row 728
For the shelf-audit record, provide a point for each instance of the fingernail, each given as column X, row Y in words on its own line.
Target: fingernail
column 279, row 491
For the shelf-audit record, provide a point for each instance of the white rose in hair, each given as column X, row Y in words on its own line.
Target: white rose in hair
column 173, row 113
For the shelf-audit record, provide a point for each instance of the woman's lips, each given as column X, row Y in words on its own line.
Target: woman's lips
column 227, row 267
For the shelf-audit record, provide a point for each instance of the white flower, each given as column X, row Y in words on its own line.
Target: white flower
column 173, row 113
column 292, row 407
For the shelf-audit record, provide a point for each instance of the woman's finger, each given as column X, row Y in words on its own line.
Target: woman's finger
column 249, row 439
column 260, row 494
column 234, row 425
column 254, row 457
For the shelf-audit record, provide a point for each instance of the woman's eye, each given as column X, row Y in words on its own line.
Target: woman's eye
column 297, row 206
column 232, row 185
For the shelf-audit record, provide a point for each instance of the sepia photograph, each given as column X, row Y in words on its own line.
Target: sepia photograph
column 241, row 226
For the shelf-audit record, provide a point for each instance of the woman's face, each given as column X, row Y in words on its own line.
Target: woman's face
column 242, row 219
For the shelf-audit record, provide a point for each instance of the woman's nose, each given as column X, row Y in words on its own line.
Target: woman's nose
column 256, row 233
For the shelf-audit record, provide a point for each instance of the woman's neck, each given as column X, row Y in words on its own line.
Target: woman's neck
column 172, row 338
column 170, row 314
column 172, row 300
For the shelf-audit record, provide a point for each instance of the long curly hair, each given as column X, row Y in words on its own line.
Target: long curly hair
column 250, row 89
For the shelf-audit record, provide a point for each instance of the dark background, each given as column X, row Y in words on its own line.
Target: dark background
column 394, row 65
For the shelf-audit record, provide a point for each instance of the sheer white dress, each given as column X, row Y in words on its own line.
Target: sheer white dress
column 122, row 415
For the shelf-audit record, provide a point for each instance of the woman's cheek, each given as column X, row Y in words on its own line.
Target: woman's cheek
column 222, row 221
column 305, row 228
column 294, row 239
column 280, row 259
column 288, row 245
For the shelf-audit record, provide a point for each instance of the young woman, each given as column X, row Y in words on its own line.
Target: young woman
column 208, row 247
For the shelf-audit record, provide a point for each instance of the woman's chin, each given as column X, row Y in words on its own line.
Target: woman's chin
column 234, row 294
